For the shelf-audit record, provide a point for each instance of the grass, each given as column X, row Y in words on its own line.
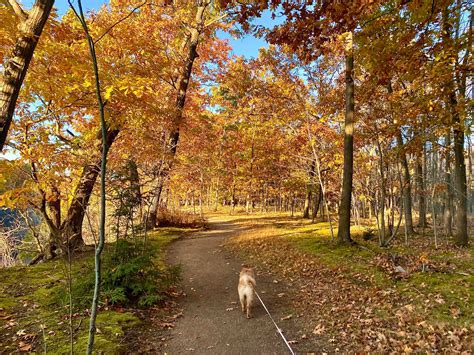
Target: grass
column 34, row 310
column 443, row 294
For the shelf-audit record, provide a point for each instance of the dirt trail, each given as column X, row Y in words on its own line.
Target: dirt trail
column 212, row 322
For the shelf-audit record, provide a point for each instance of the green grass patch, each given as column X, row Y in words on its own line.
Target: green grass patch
column 445, row 297
column 443, row 294
column 34, row 304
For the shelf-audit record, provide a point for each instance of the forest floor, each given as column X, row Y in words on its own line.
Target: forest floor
column 407, row 298
column 34, row 305
column 325, row 298
column 212, row 320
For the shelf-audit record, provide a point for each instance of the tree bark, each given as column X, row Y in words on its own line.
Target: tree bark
column 16, row 65
column 406, row 185
column 344, row 232
column 422, row 222
column 54, row 205
column 309, row 187
column 448, row 205
column 183, row 83
column 307, row 203
column 383, row 195
column 460, row 183
column 71, row 228
column 317, row 202
column 152, row 218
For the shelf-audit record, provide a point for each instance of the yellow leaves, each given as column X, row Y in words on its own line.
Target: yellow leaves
column 108, row 92
column 70, row 89
column 13, row 198
column 138, row 92
column 346, row 38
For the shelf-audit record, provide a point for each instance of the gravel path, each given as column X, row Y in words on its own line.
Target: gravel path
column 213, row 322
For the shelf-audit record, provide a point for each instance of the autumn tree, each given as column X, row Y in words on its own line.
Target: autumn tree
column 29, row 25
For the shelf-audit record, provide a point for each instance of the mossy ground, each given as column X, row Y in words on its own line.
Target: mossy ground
column 34, row 310
column 438, row 282
column 446, row 283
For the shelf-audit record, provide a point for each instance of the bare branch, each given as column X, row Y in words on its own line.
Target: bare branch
column 18, row 9
column 120, row 21
column 215, row 20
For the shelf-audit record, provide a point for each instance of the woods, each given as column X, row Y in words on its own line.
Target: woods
column 353, row 114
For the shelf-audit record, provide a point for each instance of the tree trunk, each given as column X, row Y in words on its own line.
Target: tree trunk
column 460, row 184
column 134, row 178
column 152, row 217
column 383, row 194
column 344, row 231
column 406, row 185
column 71, row 228
column 421, row 191
column 307, row 203
column 16, row 65
column 54, row 205
column 183, row 83
column 317, row 202
column 448, row 205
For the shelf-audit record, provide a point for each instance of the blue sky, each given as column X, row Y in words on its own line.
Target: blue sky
column 247, row 46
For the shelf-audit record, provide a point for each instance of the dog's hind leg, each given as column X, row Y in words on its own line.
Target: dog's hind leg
column 243, row 301
column 249, row 306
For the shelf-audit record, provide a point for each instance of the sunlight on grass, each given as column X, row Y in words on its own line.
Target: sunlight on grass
column 31, row 299
column 443, row 294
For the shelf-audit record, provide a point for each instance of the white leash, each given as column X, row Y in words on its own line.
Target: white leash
column 278, row 329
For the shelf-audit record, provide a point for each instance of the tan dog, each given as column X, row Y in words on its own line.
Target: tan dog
column 246, row 289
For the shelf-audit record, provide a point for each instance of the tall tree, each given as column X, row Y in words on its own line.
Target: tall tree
column 191, row 43
column 344, row 231
column 407, row 202
column 29, row 31
column 460, row 181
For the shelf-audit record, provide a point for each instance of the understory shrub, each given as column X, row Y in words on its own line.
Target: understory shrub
column 130, row 276
column 167, row 218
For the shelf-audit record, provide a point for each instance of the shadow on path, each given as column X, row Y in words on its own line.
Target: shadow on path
column 213, row 322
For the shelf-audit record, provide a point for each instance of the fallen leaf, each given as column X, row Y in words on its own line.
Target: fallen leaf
column 25, row 346
column 319, row 329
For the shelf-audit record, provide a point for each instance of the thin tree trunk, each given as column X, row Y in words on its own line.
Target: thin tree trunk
column 460, row 186
column 183, row 82
column 54, row 205
column 16, row 66
column 152, row 218
column 406, row 186
column 421, row 191
column 383, row 195
column 344, row 231
column 307, row 203
column 435, row 232
column 71, row 228
column 105, row 137
column 317, row 202
column 448, row 206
